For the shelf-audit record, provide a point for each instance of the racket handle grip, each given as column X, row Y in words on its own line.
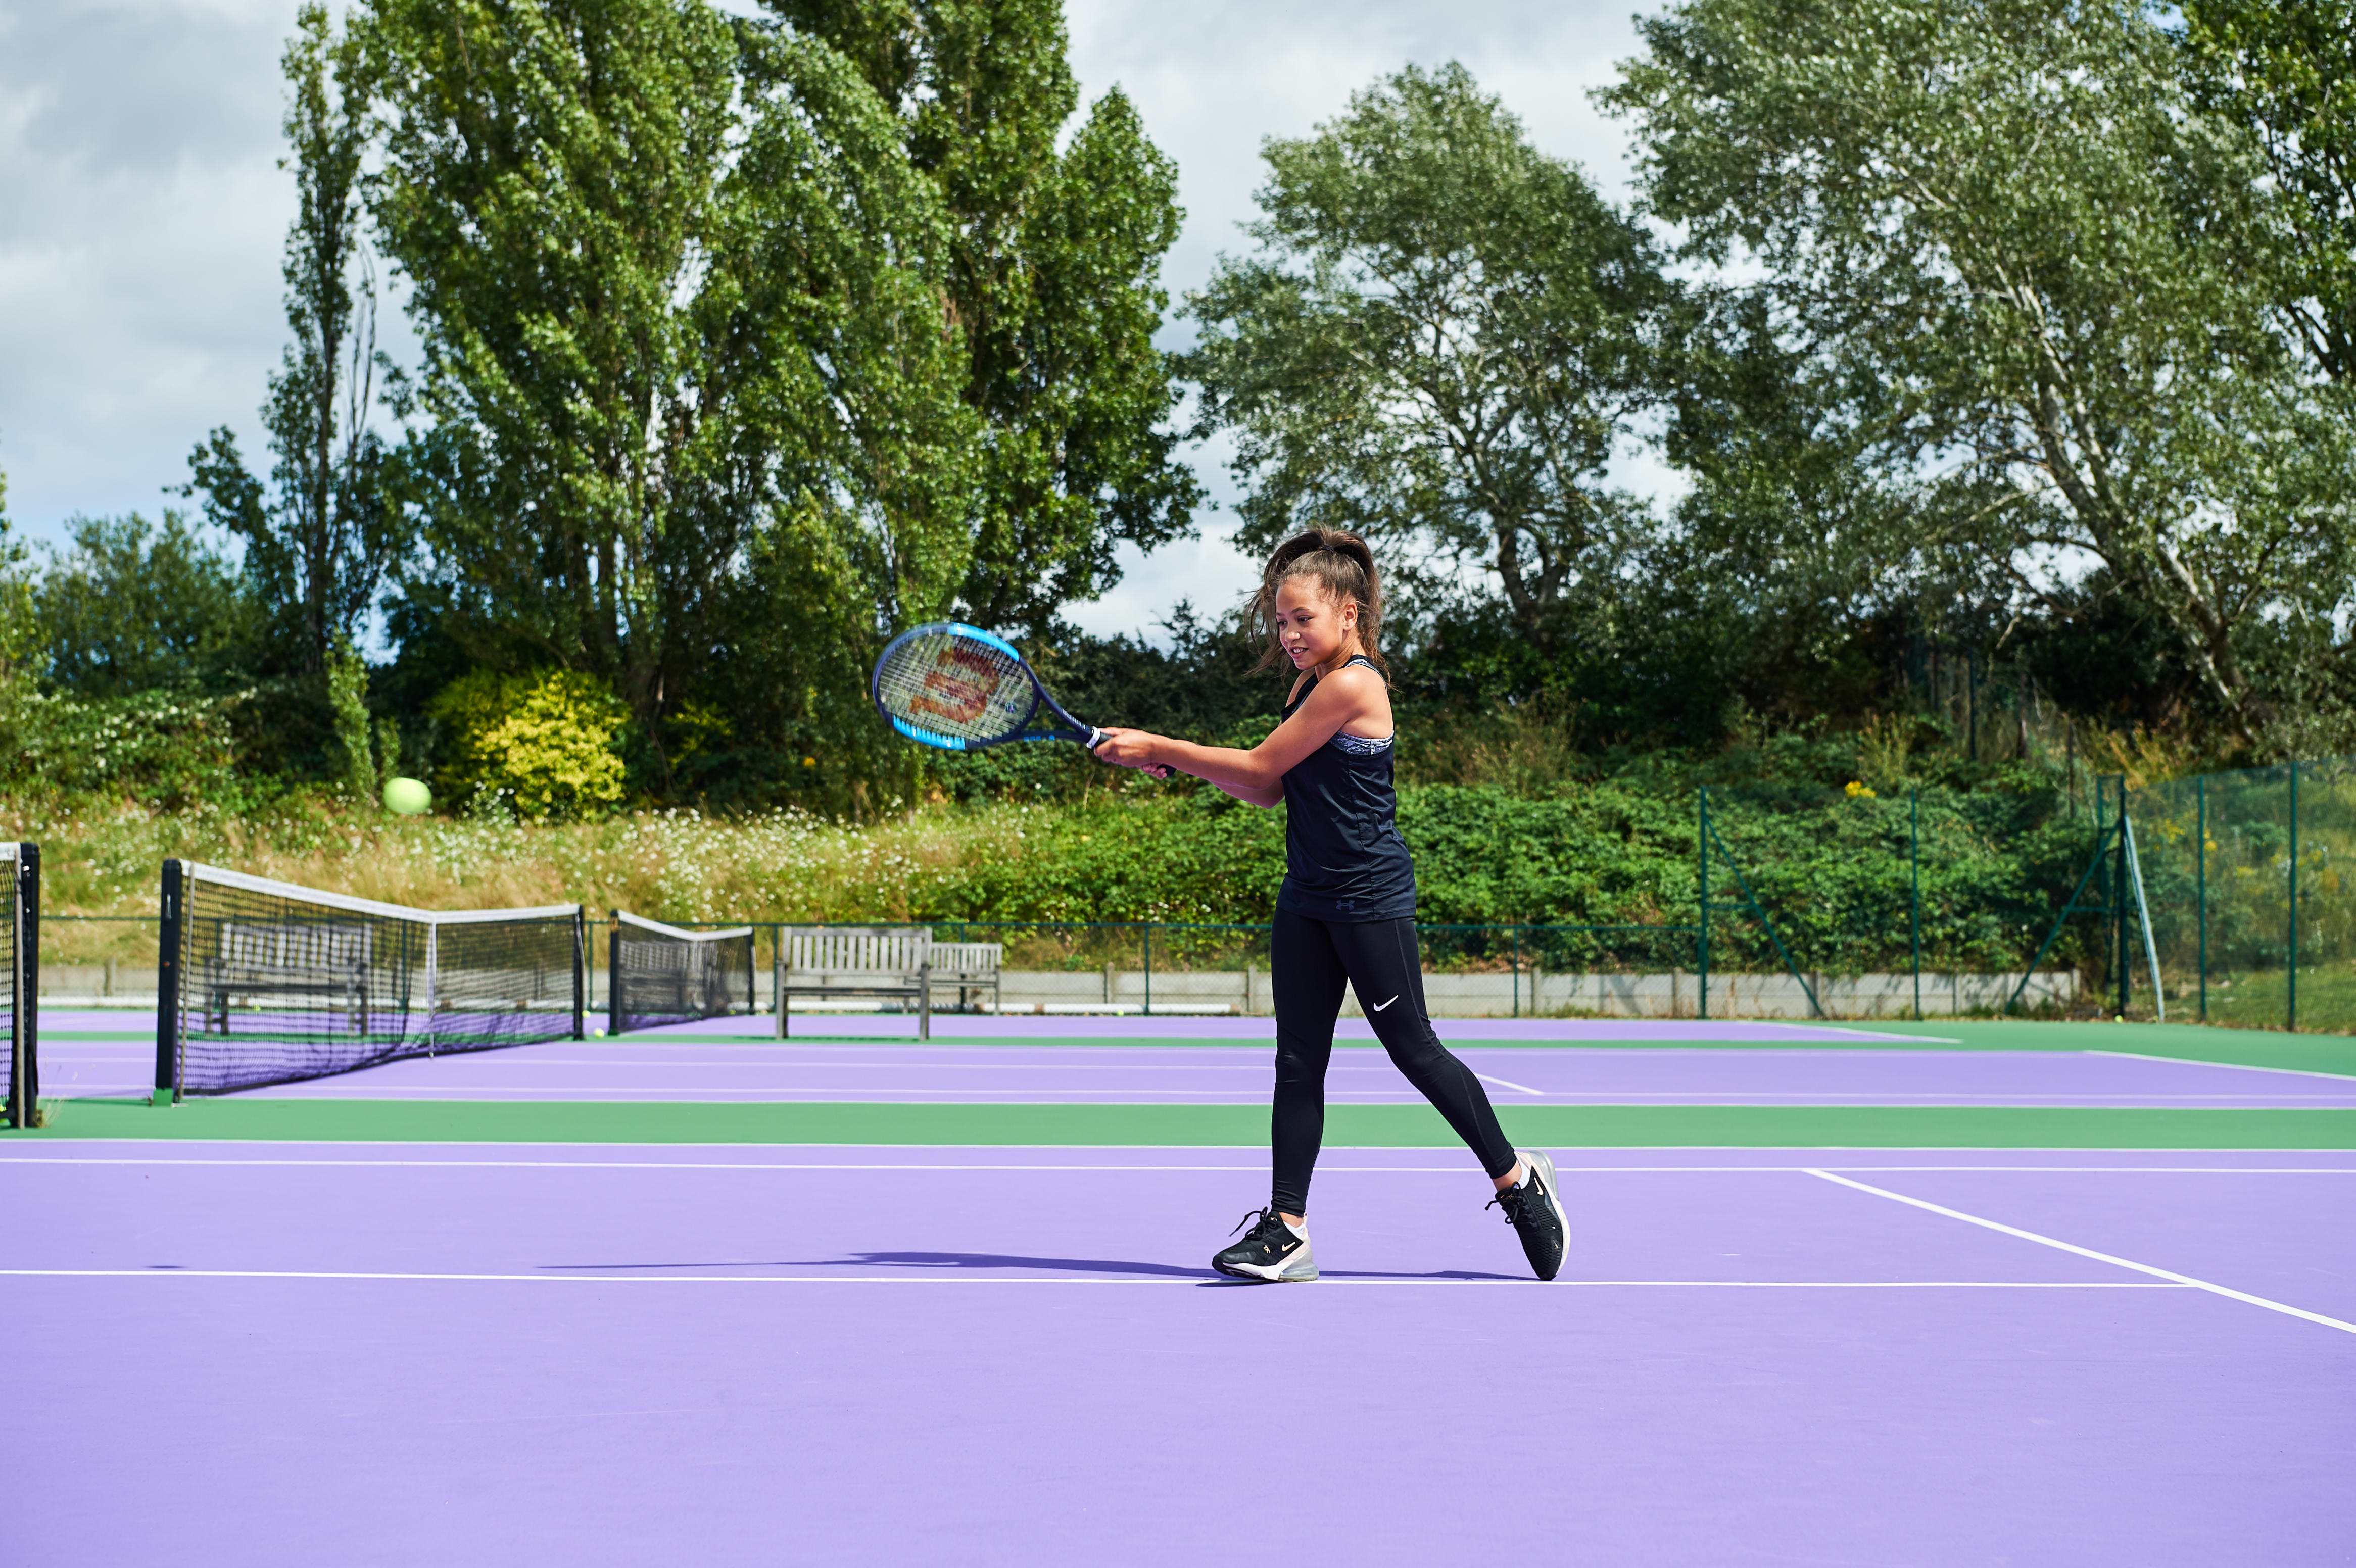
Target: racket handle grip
column 1096, row 737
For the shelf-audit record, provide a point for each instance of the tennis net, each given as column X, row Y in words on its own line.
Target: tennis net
column 658, row 973
column 262, row 982
column 20, row 985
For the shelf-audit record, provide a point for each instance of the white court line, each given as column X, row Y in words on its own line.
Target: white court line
column 2169, row 1274
column 1059, row 1279
column 2237, row 1066
column 1507, row 1083
column 1450, row 1171
column 1256, row 1065
column 388, row 1091
column 887, row 1144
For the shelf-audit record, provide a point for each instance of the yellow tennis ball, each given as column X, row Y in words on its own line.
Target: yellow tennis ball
column 407, row 797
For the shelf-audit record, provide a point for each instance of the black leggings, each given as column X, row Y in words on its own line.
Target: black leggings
column 1309, row 961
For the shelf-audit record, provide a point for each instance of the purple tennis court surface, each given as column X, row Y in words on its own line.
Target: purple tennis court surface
column 260, row 1354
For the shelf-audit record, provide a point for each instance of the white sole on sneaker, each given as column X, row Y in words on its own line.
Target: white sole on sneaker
column 1538, row 1161
column 1298, row 1268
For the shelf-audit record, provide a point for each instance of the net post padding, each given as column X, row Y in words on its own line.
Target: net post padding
column 266, row 982
column 12, row 1071
column 20, row 928
column 661, row 974
column 580, row 973
column 168, row 986
column 28, row 972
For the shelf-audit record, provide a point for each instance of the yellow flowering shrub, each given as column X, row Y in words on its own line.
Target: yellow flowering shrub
column 545, row 744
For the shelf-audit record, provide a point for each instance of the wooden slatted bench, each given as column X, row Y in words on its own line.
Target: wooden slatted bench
column 855, row 961
column 970, row 966
column 290, row 958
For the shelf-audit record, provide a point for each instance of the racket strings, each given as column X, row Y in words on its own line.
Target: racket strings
column 955, row 686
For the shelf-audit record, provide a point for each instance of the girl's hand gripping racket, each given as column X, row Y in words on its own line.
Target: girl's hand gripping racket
column 961, row 689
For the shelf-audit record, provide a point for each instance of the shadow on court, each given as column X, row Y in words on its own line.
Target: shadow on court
column 998, row 1260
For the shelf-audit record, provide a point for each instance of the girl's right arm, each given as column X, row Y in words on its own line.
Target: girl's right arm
column 1258, row 776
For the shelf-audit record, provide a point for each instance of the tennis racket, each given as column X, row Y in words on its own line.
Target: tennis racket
column 961, row 689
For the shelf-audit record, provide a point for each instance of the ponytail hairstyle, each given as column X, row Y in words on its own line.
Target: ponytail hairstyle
column 1343, row 568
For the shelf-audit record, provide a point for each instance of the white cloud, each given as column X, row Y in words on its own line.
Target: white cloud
column 141, row 210
column 140, row 216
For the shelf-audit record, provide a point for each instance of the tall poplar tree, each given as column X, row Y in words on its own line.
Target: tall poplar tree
column 1054, row 281
column 319, row 538
column 679, row 297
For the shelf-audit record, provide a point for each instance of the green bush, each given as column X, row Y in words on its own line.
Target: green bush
column 174, row 749
column 547, row 744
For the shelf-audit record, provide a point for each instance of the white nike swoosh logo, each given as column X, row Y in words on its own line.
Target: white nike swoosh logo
column 1380, row 1005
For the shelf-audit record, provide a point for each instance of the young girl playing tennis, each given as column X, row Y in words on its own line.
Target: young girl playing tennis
column 1346, row 911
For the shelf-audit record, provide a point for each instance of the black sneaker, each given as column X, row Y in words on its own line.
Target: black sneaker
column 1271, row 1252
column 1535, row 1211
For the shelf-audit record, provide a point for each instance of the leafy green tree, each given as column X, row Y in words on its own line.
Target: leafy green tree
column 1443, row 335
column 2288, row 69
column 347, row 697
column 2025, row 271
column 320, row 538
column 677, row 292
column 1054, row 277
column 129, row 606
column 19, row 634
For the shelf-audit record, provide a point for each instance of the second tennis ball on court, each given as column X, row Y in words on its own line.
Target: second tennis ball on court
column 407, row 797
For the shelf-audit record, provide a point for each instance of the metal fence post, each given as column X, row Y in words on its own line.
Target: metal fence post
column 1914, row 902
column 2119, row 900
column 2201, row 881
column 1517, row 972
column 1701, row 838
column 2291, row 1013
column 1149, row 968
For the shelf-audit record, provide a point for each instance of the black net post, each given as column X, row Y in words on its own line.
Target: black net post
column 614, row 974
column 168, row 987
column 12, row 989
column 581, row 973
column 20, row 984
column 26, row 1080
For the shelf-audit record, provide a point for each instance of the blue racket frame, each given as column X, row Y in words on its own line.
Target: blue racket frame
column 1087, row 735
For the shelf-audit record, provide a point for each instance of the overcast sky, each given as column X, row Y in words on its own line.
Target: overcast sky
column 142, row 210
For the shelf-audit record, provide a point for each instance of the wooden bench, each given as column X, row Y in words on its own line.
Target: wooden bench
column 855, row 961
column 970, row 966
column 290, row 958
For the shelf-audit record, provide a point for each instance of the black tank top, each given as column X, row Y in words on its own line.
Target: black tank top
column 1344, row 859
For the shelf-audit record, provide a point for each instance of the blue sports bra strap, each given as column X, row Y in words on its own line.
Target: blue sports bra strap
column 1356, row 658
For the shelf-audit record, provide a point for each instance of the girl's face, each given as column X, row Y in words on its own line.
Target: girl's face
column 1313, row 628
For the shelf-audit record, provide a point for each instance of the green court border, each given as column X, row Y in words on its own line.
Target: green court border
column 1237, row 1127
column 2329, row 1054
